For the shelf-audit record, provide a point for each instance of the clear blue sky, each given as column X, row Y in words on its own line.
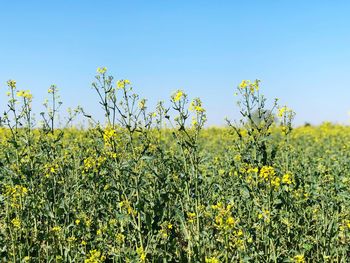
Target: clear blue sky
column 299, row 49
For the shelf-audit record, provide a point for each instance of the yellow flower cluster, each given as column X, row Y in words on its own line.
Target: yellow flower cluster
column 141, row 253
column 24, row 94
column 15, row 191
column 345, row 225
column 126, row 205
column 142, row 104
column 223, row 216
column 287, row 178
column 267, row 172
column 196, row 106
column 265, row 215
column 120, row 238
column 11, row 83
column 56, row 229
column 52, row 89
column 108, row 134
column 50, row 169
column 15, row 194
column 165, row 229
column 191, row 216
column 249, row 86
column 92, row 164
column 178, row 95
column 299, row 259
column 212, row 260
column 16, row 222
column 283, row 111
column 101, row 70
column 95, row 256
column 121, row 84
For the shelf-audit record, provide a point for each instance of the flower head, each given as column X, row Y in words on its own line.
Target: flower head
column 178, row 95
column 11, row 83
column 102, row 70
column 121, row 84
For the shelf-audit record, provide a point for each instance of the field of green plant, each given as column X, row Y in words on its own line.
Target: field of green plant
column 157, row 186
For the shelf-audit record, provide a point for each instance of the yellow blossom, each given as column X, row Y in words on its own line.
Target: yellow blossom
column 266, row 172
column 16, row 223
column 56, row 229
column 141, row 253
column 191, row 216
column 101, row 70
column 299, row 259
column 287, row 178
column 244, row 84
column 95, row 256
column 11, row 83
column 211, row 260
column 121, row 84
column 178, row 95
column 230, row 221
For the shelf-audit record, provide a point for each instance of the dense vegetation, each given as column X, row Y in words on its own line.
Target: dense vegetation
column 155, row 186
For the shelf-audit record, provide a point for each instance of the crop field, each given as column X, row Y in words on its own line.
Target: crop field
column 158, row 185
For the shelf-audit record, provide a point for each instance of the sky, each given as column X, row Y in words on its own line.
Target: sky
column 300, row 50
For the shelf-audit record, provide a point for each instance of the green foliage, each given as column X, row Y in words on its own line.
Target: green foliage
column 158, row 187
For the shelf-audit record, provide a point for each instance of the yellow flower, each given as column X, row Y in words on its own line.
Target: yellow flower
column 284, row 111
column 281, row 111
column 20, row 93
column 211, row 260
column 101, row 70
column 230, row 221
column 178, row 95
column 267, row 172
column 52, row 89
column 276, row 182
column 196, row 105
column 194, row 122
column 237, row 157
column 191, row 216
column 299, row 259
column 244, row 84
column 56, row 229
column 287, row 179
column 11, row 83
column 142, row 104
column 121, row 84
column 95, row 257
column 120, row 237
column 249, row 86
column 265, row 214
column 16, row 223
column 348, row 223
column 243, row 132
column 141, row 254
column 252, row 170
column 24, row 94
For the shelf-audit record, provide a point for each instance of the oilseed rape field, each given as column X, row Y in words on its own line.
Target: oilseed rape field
column 157, row 185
